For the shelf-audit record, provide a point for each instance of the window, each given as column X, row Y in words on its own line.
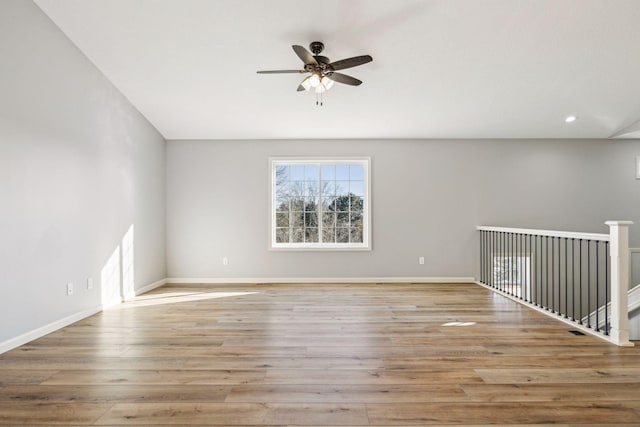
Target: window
column 320, row 204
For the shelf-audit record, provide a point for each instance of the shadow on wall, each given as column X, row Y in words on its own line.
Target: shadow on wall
column 117, row 275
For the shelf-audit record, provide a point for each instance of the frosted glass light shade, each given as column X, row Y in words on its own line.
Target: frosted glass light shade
column 327, row 82
column 306, row 84
column 314, row 80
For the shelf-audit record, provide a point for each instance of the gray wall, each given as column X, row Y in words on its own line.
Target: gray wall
column 78, row 166
column 427, row 198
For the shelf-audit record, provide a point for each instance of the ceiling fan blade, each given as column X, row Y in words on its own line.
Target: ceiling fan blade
column 305, row 55
column 280, row 71
column 351, row 62
column 343, row 78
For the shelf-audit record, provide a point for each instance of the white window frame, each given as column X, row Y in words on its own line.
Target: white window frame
column 308, row 246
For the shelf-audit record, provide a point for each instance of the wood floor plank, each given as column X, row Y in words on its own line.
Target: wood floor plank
column 551, row 392
column 308, row 340
column 120, row 393
column 28, row 351
column 351, row 376
column 234, row 414
column 504, row 413
column 368, row 393
column 158, row 377
column 145, row 351
column 33, row 376
column 128, row 340
column 20, row 413
column 399, row 351
column 560, row 376
column 78, row 363
column 298, row 362
column 184, row 414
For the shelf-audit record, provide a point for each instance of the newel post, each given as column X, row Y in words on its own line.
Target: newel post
column 619, row 251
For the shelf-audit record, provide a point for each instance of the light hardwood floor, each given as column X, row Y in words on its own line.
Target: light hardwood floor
column 370, row 354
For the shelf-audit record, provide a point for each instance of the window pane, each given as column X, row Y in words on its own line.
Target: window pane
column 329, row 203
column 297, row 235
column 357, row 188
column 282, row 204
column 310, row 219
column 342, row 188
column 342, row 235
column 282, row 219
column 342, row 203
column 296, row 219
column 342, row 219
column 311, row 235
column 296, row 203
column 282, row 188
column 328, row 188
column 282, row 174
column 329, row 172
column 296, row 188
column 356, row 204
column 342, row 172
column 328, row 219
column 311, row 204
column 311, row 188
column 282, row 235
column 311, row 172
column 356, row 235
column 328, row 235
column 356, row 220
column 356, row 172
column 296, row 172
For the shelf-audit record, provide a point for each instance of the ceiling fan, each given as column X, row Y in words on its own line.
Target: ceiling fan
column 322, row 72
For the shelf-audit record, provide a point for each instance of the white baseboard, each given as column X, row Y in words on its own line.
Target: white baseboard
column 150, row 287
column 251, row 280
column 59, row 324
column 12, row 343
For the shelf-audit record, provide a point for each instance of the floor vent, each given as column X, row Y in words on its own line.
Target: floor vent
column 576, row 332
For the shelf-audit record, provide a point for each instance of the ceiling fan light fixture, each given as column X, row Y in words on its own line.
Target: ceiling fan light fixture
column 314, row 80
column 327, row 82
column 306, row 84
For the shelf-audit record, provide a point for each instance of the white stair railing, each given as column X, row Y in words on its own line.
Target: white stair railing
column 579, row 278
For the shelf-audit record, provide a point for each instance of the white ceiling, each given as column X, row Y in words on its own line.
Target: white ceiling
column 441, row 68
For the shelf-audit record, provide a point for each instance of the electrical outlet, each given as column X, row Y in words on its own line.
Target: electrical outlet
column 421, row 260
column 90, row 283
column 69, row 289
column 225, row 260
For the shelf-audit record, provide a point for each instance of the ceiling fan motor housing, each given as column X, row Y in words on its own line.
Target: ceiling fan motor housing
column 316, row 47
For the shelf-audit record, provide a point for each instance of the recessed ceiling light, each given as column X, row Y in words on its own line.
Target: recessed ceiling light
column 571, row 119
